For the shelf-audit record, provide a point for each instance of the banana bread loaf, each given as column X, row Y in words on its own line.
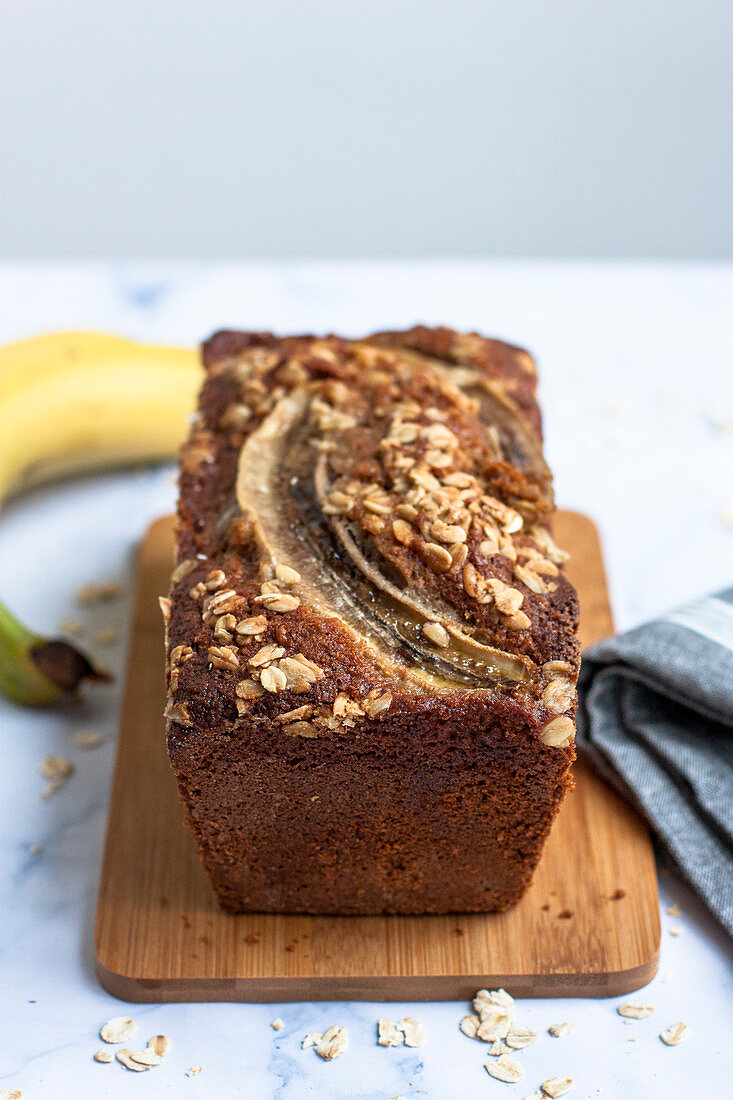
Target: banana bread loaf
column 372, row 649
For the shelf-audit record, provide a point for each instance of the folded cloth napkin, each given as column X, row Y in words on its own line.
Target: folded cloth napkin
column 656, row 717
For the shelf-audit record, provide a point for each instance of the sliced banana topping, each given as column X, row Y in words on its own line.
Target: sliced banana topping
column 284, row 486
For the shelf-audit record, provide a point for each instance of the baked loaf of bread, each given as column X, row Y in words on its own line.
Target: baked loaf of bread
column 372, row 649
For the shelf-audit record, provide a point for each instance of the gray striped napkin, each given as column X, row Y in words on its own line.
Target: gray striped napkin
column 656, row 718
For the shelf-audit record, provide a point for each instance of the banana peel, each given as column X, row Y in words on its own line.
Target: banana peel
column 72, row 403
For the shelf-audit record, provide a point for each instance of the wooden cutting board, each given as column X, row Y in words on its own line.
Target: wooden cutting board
column 588, row 926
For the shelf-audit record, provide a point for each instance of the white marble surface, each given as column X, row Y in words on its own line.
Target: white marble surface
column 637, row 370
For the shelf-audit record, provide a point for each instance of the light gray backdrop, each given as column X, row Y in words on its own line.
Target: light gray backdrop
column 371, row 127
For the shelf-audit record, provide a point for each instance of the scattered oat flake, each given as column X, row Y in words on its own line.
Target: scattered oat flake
column 486, row 998
column 676, row 931
column 536, row 1096
column 72, row 627
column 495, row 1024
column 413, row 1031
column 674, row 910
column 119, row 1029
column 11, row 1094
column 104, row 1056
column 388, row 1034
column 498, row 1047
column 557, row 1086
column 469, row 1026
column 160, row 1044
column 332, row 1043
column 495, row 1009
column 505, row 1069
column 310, row 1041
column 675, row 1034
column 194, row 1071
column 106, row 635
column 56, row 767
column 98, row 593
column 125, row 1057
column 88, row 739
column 146, row 1057
column 277, row 1025
column 558, row 1030
column 518, row 1038
column 635, row 1011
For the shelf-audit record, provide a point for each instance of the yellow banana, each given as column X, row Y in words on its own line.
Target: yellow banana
column 75, row 402
column 71, row 403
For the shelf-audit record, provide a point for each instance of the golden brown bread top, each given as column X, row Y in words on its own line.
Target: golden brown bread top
column 381, row 504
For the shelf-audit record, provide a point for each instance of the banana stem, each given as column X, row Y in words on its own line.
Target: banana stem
column 36, row 671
